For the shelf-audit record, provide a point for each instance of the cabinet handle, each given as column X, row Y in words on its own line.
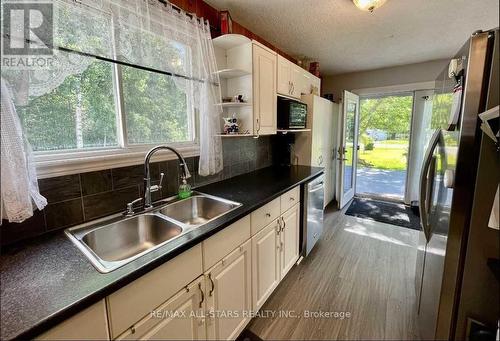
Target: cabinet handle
column 268, row 215
column 132, row 329
column 284, row 224
column 278, row 228
column 258, row 125
column 202, row 295
column 292, row 199
column 212, row 285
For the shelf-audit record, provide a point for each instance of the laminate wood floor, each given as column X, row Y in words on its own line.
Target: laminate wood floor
column 361, row 267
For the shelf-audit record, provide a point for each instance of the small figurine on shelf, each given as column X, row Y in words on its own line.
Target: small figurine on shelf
column 239, row 99
column 231, row 125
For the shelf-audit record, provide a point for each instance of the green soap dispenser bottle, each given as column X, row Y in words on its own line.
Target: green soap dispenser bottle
column 184, row 189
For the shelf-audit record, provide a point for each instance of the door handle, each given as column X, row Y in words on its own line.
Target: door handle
column 202, row 295
column 424, row 186
column 212, row 285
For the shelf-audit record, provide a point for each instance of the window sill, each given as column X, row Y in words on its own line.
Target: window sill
column 52, row 165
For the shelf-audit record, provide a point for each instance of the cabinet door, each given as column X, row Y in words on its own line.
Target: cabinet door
column 306, row 82
column 180, row 318
column 289, row 239
column 89, row 324
column 316, row 82
column 229, row 294
column 265, row 264
column 264, row 91
column 317, row 159
column 284, row 76
column 296, row 79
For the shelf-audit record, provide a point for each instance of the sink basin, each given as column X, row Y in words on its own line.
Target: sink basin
column 115, row 241
column 198, row 209
column 130, row 237
column 118, row 241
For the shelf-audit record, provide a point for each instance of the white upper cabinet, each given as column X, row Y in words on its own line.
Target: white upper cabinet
column 294, row 81
column 284, row 76
column 264, row 90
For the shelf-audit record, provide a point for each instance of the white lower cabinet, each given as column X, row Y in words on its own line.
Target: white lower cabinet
column 265, row 263
column 89, row 324
column 180, row 318
column 229, row 294
column 289, row 239
column 177, row 301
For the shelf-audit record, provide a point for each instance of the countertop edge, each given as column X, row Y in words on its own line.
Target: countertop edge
column 72, row 309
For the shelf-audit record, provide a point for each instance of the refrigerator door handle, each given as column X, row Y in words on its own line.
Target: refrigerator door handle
column 424, row 186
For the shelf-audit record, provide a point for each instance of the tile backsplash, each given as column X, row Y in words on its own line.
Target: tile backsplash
column 77, row 198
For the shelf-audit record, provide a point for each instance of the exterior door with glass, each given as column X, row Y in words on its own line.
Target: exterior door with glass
column 348, row 147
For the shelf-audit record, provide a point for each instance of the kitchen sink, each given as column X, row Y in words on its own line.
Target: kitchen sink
column 127, row 238
column 198, row 209
column 113, row 242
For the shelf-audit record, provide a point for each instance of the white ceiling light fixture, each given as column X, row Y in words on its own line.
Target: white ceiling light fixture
column 368, row 5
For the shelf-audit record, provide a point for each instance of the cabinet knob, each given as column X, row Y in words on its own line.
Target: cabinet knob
column 268, row 215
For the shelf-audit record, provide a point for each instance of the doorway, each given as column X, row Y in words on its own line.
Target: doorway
column 383, row 149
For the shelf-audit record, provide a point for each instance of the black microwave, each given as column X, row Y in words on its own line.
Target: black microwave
column 292, row 114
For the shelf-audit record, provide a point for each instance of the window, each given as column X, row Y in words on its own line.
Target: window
column 155, row 108
column 82, row 112
column 78, row 114
column 126, row 76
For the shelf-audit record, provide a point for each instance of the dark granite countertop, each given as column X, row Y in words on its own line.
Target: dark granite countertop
column 46, row 280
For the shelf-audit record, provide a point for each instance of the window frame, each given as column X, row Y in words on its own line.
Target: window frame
column 65, row 162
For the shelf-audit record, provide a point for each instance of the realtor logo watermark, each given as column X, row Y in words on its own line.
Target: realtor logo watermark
column 27, row 34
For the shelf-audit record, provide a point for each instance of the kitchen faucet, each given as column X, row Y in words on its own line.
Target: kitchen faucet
column 148, row 189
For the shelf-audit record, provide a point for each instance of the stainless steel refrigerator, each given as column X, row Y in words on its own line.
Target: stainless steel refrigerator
column 447, row 183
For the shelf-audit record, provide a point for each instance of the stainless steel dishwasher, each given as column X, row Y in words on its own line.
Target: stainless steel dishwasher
column 312, row 215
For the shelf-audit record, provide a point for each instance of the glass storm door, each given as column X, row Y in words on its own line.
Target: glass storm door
column 348, row 147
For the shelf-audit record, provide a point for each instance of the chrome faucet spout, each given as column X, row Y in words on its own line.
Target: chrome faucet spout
column 147, row 174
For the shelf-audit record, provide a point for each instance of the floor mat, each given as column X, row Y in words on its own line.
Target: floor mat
column 385, row 212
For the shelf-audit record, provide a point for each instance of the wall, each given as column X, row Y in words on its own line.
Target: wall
column 74, row 199
column 397, row 75
column 202, row 9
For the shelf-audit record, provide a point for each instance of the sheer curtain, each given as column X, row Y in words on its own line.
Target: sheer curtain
column 147, row 34
column 19, row 185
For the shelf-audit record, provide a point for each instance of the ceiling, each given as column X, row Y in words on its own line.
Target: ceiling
column 344, row 39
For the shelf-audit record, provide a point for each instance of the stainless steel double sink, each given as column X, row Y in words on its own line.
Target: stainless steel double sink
column 115, row 242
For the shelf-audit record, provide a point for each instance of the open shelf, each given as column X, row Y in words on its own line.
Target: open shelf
column 228, row 41
column 234, row 104
column 286, row 131
column 233, row 135
column 232, row 73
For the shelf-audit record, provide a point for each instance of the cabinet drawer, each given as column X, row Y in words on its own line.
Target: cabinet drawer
column 289, row 199
column 265, row 215
column 225, row 241
column 89, row 324
column 134, row 301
